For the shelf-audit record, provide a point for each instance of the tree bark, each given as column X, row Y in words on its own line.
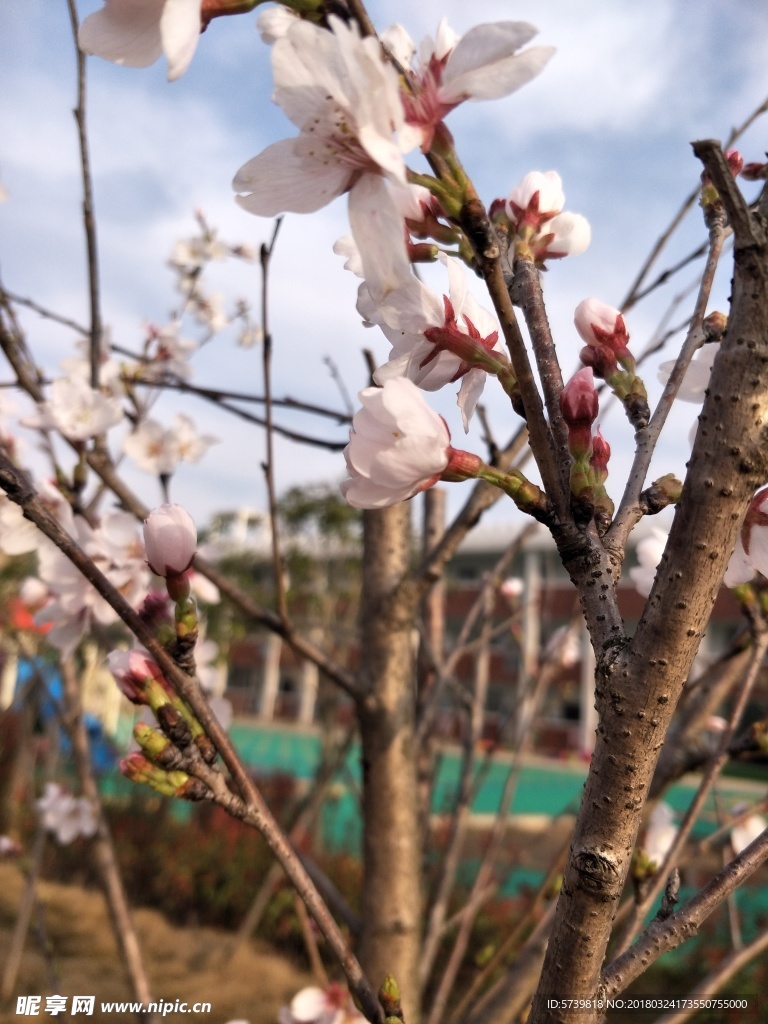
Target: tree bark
column 392, row 900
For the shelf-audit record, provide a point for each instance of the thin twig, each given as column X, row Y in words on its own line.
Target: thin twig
column 339, row 382
column 89, row 220
column 629, row 511
column 102, row 845
column 632, row 295
column 269, row 464
column 47, row 314
column 526, row 290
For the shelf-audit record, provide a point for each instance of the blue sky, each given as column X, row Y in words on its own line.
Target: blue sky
column 614, row 113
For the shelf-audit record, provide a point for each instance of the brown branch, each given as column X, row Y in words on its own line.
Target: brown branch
column 359, row 13
column 739, row 216
column 543, row 445
column 661, row 936
column 101, row 463
column 47, row 314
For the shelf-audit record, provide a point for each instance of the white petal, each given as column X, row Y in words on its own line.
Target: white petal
column 279, row 181
column 469, row 394
column 180, row 31
column 379, row 234
column 485, row 66
column 740, row 567
column 399, row 43
column 124, row 31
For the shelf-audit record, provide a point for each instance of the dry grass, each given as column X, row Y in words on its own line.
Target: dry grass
column 190, row 964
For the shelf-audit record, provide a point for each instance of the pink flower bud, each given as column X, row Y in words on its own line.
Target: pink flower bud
column 579, row 406
column 754, row 171
column 606, row 335
column 578, row 399
column 131, row 670
column 735, row 161
column 601, row 453
column 170, row 539
column 599, row 323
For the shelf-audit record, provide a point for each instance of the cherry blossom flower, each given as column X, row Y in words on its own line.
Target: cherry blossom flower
column 136, row 33
column 345, row 100
column 579, row 407
column 76, row 410
column 603, row 329
column 166, row 353
column 170, row 539
column 484, row 64
column 512, row 588
column 436, row 340
column 542, row 232
column 439, row 340
column 159, row 450
column 398, row 446
column 65, row 815
column 313, row 1005
column 649, row 552
column 73, row 603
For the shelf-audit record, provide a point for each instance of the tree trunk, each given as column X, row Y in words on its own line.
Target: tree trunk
column 392, row 901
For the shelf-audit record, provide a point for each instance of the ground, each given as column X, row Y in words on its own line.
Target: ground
column 76, row 946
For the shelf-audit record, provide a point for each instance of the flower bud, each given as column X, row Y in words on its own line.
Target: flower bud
column 170, row 539
column 754, row 171
column 579, row 406
column 603, row 329
column 157, row 748
column 139, row 677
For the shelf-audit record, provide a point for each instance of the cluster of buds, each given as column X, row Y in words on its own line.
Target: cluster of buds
column 589, row 466
column 170, row 541
column 141, row 680
column 138, row 768
column 607, row 351
column 532, row 219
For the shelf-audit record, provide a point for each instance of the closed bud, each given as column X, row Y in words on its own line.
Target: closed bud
column 170, row 539
column 139, row 677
